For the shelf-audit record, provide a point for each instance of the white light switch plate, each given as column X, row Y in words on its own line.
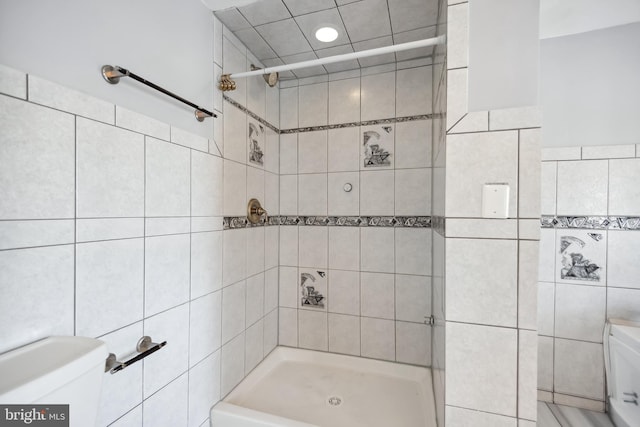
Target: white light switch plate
column 495, row 201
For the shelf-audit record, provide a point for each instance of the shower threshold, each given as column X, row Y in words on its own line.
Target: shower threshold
column 303, row 388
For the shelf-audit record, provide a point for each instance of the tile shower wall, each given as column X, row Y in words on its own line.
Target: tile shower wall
column 357, row 145
column 588, row 265
column 111, row 227
column 250, row 255
column 490, row 264
column 438, row 156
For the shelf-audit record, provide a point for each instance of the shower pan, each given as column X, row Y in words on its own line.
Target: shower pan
column 302, row 388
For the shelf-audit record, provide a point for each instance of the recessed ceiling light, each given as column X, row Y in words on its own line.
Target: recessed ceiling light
column 326, row 34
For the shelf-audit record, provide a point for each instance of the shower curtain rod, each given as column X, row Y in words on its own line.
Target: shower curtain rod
column 344, row 57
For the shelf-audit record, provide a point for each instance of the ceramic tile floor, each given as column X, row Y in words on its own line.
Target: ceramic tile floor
column 550, row 415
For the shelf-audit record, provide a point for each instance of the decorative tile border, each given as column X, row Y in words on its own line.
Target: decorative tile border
column 250, row 113
column 230, row 223
column 358, row 124
column 327, row 127
column 591, row 222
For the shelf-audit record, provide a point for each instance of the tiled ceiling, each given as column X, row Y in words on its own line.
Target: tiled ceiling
column 282, row 31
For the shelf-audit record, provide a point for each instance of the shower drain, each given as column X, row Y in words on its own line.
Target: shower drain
column 334, row 401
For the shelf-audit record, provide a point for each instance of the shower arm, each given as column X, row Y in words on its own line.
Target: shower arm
column 344, row 57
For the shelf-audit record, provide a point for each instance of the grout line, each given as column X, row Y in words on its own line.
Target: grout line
column 518, row 254
column 75, row 227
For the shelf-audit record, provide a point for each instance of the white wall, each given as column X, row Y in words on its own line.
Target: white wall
column 562, row 18
column 168, row 42
column 503, row 54
column 587, row 185
column 590, row 87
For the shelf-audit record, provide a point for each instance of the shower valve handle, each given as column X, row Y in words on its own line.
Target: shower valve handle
column 255, row 212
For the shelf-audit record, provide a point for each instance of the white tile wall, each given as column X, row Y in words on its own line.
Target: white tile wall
column 205, row 327
column 460, row 417
column 312, row 152
column 204, row 388
column 344, row 149
column 127, row 212
column 624, row 195
column 591, row 181
column 40, row 274
column 413, row 192
column 489, row 374
column 344, row 292
column 169, row 364
column 167, row 272
column 23, row 234
column 38, row 177
column 623, row 303
column 413, row 144
column 571, row 360
column 377, row 193
column 110, row 176
column 53, row 95
column 312, row 194
column 313, row 105
column 580, row 312
column 315, row 321
column 413, row 91
column 169, row 405
column 486, row 291
column 413, row 343
column 13, row 82
column 206, row 179
column 344, row 334
column 488, row 380
column 376, row 252
column 341, row 201
column 582, row 188
column 376, row 293
column 104, row 272
column 377, row 338
column 232, row 364
column 344, row 248
column 622, row 270
column 467, row 175
column 364, row 317
column 206, row 263
column 344, row 101
column 167, row 180
column 378, row 96
column 140, row 123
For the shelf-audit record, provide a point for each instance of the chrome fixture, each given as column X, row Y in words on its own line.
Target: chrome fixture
column 255, row 212
column 113, row 74
column 226, row 83
column 271, row 78
column 144, row 347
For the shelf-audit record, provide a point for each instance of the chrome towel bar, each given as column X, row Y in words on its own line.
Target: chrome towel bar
column 112, row 75
column 144, row 348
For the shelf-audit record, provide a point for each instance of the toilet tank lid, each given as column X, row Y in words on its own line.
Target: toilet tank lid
column 36, row 369
column 629, row 335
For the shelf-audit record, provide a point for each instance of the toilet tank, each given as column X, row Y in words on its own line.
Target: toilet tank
column 56, row 370
column 623, row 374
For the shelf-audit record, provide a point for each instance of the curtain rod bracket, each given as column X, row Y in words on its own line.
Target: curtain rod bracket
column 111, row 74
